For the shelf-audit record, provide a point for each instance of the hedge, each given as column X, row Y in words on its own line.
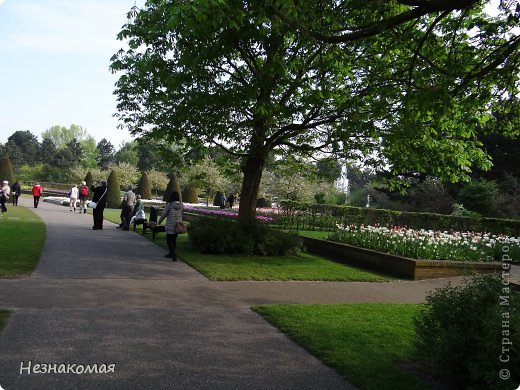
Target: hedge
column 310, row 216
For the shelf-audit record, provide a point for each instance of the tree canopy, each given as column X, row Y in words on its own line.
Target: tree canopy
column 405, row 88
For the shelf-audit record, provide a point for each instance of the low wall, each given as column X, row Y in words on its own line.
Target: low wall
column 399, row 266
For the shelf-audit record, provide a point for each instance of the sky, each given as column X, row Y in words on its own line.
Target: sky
column 54, row 65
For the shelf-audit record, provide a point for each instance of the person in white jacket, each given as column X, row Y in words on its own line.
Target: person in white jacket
column 73, row 197
column 173, row 214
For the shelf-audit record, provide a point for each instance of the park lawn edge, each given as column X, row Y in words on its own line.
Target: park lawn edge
column 370, row 330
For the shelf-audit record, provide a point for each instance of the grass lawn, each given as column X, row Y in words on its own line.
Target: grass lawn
column 23, row 236
column 366, row 343
column 233, row 268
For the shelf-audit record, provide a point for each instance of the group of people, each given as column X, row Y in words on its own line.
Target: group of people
column 14, row 193
column 132, row 208
column 229, row 201
column 79, row 194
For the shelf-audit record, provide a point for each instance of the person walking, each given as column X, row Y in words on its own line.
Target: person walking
column 100, row 199
column 173, row 214
column 16, row 190
column 231, row 200
column 5, row 191
column 37, row 192
column 83, row 197
column 127, row 207
column 73, row 197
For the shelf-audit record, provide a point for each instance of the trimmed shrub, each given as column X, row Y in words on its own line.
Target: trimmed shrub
column 217, row 235
column 461, row 331
column 190, row 194
column 264, row 203
column 114, row 191
column 173, row 185
column 6, row 170
column 144, row 188
column 89, row 179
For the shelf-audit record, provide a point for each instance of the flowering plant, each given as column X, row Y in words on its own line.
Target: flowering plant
column 429, row 244
column 223, row 213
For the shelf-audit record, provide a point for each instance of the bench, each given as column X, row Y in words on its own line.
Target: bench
column 152, row 223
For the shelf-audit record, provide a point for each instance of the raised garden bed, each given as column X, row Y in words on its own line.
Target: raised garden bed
column 399, row 266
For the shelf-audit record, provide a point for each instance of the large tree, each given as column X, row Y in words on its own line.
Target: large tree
column 62, row 136
column 242, row 75
column 106, row 154
column 22, row 147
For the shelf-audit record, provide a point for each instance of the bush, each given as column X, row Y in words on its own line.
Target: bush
column 113, row 191
column 264, row 203
column 173, row 185
column 89, row 179
column 190, row 195
column 461, row 332
column 217, row 235
column 6, row 170
column 144, row 188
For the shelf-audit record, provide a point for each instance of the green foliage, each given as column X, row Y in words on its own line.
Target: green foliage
column 144, row 188
column 173, row 186
column 460, row 211
column 479, row 195
column 217, row 235
column 105, row 155
column 263, row 203
column 266, row 102
column 6, row 170
column 190, row 195
column 114, row 191
column 461, row 330
column 309, row 216
column 89, row 179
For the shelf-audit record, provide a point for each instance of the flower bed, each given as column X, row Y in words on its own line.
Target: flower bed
column 429, row 244
column 228, row 213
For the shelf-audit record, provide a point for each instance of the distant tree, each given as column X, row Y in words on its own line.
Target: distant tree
column 6, row 170
column 173, row 185
column 431, row 196
column 61, row 135
column 144, row 188
column 158, row 180
column 127, row 153
column 105, row 155
column 207, row 176
column 328, row 169
column 127, row 174
column 47, row 151
column 479, row 196
column 76, row 149
column 114, row 191
column 90, row 153
column 22, row 147
column 147, row 153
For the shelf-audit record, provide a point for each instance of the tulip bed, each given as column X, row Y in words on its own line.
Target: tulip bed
column 429, row 244
column 231, row 213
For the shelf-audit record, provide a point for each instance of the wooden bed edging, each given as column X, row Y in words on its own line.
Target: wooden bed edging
column 399, row 266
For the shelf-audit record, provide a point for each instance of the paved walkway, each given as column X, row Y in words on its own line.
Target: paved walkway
column 109, row 297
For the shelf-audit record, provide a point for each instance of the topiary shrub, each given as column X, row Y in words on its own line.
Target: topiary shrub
column 264, row 203
column 173, row 185
column 114, row 191
column 190, row 194
column 89, row 179
column 217, row 235
column 462, row 332
column 6, row 170
column 144, row 188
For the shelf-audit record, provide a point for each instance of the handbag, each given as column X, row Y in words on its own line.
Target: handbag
column 91, row 205
column 180, row 228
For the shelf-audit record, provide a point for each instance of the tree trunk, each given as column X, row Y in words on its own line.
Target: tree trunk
column 250, row 185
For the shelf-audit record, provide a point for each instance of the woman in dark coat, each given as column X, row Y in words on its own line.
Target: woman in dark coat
column 16, row 190
column 100, row 198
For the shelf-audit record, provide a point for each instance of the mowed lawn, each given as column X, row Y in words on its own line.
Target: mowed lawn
column 262, row 268
column 23, row 236
column 371, row 345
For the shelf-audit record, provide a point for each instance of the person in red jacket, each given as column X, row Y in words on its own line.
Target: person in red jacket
column 37, row 191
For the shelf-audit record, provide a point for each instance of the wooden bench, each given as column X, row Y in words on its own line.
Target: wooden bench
column 152, row 223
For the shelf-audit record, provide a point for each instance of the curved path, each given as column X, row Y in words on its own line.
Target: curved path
column 109, row 297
